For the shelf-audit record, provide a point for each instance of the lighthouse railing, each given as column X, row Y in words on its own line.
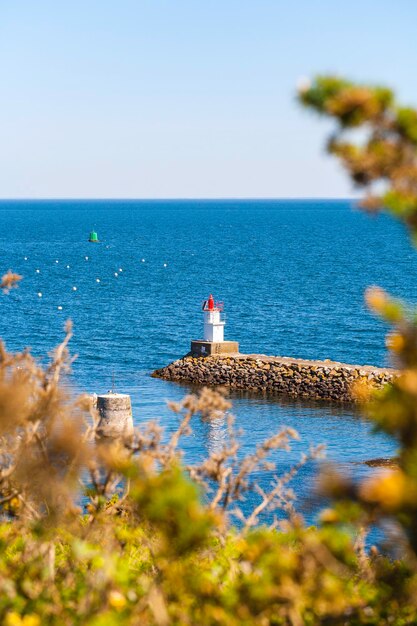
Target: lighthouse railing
column 218, row 306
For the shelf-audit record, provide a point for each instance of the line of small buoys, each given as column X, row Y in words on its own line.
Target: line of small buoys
column 87, row 258
column 75, row 288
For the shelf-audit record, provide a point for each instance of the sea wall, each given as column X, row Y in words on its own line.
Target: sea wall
column 296, row 378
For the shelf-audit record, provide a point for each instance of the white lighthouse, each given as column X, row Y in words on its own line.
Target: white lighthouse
column 213, row 325
column 213, row 334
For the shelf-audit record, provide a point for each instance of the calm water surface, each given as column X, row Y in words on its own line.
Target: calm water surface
column 291, row 274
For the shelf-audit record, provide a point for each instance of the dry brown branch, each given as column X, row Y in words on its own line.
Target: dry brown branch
column 9, row 281
column 279, row 496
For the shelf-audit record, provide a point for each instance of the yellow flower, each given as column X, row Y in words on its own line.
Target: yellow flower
column 375, row 298
column 390, row 490
column 31, row 620
column 14, row 619
column 395, row 342
column 328, row 516
column 408, row 381
column 116, row 600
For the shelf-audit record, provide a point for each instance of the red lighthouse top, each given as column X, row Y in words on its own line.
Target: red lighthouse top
column 210, row 305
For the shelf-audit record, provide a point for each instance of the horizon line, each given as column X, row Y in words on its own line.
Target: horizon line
column 171, row 198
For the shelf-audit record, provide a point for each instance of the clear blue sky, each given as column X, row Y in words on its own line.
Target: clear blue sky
column 184, row 98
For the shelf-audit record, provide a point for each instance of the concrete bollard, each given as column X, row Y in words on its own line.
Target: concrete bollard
column 115, row 411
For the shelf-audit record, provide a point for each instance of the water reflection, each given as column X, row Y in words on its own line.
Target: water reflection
column 215, row 433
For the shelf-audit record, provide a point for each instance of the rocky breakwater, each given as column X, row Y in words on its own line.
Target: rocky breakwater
column 296, row 378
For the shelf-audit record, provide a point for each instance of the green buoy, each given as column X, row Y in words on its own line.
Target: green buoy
column 93, row 237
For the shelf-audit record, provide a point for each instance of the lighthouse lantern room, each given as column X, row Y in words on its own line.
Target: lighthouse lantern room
column 213, row 333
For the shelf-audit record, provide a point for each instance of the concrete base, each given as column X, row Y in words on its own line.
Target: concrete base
column 207, row 348
column 115, row 411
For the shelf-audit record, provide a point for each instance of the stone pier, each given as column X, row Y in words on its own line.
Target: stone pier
column 296, row 378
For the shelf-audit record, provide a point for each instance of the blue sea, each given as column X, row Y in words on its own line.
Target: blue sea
column 291, row 273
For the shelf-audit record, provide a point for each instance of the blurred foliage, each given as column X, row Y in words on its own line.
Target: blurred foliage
column 375, row 139
column 103, row 533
